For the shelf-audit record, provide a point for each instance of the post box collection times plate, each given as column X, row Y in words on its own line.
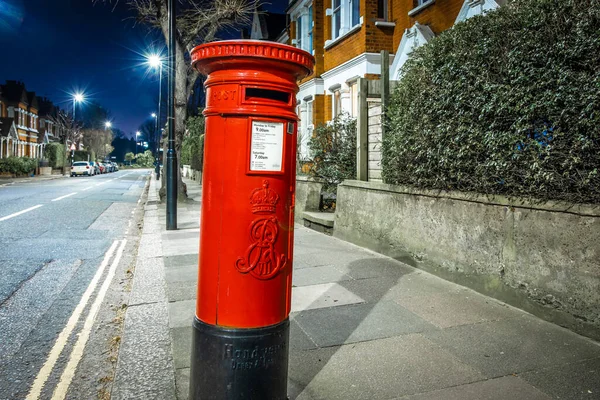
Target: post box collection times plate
column 266, row 147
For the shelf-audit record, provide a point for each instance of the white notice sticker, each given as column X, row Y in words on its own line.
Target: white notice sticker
column 266, row 149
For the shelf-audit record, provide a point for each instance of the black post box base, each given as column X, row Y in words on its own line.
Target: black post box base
column 234, row 364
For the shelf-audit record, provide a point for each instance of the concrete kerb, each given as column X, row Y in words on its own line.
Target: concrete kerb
column 145, row 366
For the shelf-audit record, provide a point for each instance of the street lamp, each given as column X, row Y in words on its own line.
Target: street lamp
column 138, row 133
column 172, row 169
column 107, row 125
column 155, row 61
column 77, row 98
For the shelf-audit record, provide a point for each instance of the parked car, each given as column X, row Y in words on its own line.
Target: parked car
column 82, row 168
column 109, row 166
column 102, row 168
column 115, row 166
column 94, row 164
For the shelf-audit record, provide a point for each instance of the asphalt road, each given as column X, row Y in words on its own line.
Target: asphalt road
column 61, row 242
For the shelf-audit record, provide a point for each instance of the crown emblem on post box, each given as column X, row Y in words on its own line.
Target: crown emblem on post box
column 263, row 199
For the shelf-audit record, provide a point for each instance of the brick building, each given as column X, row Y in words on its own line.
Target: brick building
column 346, row 38
column 21, row 136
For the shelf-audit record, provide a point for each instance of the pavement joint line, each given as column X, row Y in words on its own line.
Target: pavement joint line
column 147, row 303
column 60, row 392
column 64, row 197
column 21, row 212
column 63, row 337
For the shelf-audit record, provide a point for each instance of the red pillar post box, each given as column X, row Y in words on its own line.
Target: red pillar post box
column 241, row 327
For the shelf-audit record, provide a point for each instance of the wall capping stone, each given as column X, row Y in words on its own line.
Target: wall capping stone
column 588, row 210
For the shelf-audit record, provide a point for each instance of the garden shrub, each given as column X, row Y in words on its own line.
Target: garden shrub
column 333, row 152
column 56, row 154
column 505, row 103
column 18, row 165
column 192, row 148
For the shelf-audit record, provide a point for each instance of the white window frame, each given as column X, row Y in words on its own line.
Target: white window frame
column 310, row 22
column 336, row 31
column 303, row 39
column 350, row 19
column 385, row 10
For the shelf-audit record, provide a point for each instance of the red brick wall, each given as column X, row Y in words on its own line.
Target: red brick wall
column 439, row 16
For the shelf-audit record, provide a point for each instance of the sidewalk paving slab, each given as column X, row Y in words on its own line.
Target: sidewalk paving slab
column 364, row 326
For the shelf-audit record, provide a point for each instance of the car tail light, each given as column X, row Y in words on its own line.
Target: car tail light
column 87, row 167
column 72, row 167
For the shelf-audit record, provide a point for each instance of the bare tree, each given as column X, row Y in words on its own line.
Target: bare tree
column 98, row 141
column 69, row 130
column 198, row 21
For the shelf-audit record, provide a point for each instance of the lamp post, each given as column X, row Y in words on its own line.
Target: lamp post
column 136, row 141
column 107, row 125
column 172, row 170
column 77, row 98
column 155, row 61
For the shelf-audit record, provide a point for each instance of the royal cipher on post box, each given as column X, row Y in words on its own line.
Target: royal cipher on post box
column 241, row 326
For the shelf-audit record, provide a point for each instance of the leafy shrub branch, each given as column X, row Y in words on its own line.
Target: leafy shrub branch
column 333, row 149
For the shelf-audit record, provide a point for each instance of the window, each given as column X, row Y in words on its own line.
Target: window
column 309, row 36
column 353, row 88
column 382, row 9
column 354, row 12
column 299, row 32
column 337, row 103
column 345, row 14
column 336, row 18
column 304, row 30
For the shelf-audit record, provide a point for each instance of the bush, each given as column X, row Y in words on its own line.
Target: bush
column 145, row 159
column 56, row 154
column 506, row 103
column 333, row 151
column 18, row 165
column 80, row 155
column 192, row 148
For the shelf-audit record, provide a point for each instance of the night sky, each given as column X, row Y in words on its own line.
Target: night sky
column 57, row 47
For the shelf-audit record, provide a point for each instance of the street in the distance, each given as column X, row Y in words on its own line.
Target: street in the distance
column 63, row 242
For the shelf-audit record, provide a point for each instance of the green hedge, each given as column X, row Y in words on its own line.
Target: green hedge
column 192, row 148
column 506, row 103
column 56, row 154
column 18, row 165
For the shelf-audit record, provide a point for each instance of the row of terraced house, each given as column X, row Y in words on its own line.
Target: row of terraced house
column 346, row 38
column 26, row 122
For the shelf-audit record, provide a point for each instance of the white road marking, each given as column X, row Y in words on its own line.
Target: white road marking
column 87, row 188
column 63, row 337
column 20, row 212
column 64, row 197
column 67, row 376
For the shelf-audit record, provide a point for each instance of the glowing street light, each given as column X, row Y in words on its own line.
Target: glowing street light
column 155, row 61
column 107, row 125
column 138, row 133
column 77, row 98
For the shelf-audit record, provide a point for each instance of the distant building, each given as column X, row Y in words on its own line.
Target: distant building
column 22, row 107
column 48, row 130
column 346, row 38
column 268, row 26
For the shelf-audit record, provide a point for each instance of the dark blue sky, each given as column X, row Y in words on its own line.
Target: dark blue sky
column 57, row 47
